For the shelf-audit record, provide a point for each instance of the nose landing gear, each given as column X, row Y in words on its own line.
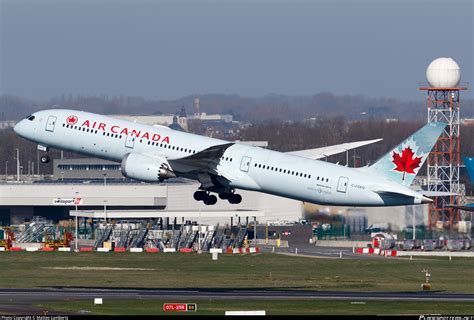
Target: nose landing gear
column 45, row 158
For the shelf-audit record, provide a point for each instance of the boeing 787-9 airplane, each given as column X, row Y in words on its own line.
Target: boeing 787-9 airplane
column 155, row 153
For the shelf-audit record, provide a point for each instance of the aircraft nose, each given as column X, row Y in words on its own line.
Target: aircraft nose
column 19, row 127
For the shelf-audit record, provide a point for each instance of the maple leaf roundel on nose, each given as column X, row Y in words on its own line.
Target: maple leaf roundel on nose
column 406, row 161
column 72, row 120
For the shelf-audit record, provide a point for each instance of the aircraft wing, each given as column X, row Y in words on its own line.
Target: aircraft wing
column 322, row 152
column 203, row 161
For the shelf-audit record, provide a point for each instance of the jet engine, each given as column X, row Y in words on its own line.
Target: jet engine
column 146, row 168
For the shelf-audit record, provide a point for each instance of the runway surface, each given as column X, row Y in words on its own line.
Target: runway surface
column 322, row 252
column 20, row 301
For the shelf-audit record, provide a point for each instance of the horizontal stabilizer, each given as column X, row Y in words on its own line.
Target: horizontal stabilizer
column 393, row 198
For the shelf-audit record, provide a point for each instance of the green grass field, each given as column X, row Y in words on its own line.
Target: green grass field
column 272, row 307
column 43, row 269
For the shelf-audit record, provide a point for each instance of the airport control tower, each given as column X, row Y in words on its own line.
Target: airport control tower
column 443, row 101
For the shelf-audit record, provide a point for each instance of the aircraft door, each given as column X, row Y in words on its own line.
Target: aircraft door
column 245, row 164
column 130, row 141
column 342, row 184
column 51, row 123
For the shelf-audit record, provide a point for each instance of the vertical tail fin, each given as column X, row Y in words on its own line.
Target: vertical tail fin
column 403, row 162
column 469, row 162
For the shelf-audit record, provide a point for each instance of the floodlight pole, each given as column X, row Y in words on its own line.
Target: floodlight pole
column 17, row 164
column 105, row 213
column 75, row 237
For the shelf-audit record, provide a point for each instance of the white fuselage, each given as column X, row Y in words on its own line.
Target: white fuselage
column 245, row 167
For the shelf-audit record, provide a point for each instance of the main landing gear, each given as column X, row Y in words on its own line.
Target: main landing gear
column 210, row 199
column 204, row 196
column 233, row 198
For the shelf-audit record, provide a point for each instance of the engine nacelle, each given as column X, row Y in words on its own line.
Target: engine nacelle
column 146, row 168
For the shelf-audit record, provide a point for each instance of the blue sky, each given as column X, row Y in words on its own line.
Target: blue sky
column 168, row 49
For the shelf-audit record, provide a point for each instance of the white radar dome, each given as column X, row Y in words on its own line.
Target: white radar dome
column 443, row 73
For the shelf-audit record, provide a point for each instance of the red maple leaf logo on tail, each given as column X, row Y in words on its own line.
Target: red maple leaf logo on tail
column 406, row 162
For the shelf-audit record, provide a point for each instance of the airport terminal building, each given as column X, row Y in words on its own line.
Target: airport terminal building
column 106, row 193
column 19, row 202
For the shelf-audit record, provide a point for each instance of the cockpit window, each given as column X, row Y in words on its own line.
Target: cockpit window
column 31, row 117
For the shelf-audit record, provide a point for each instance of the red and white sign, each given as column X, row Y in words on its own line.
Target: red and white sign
column 67, row 201
column 183, row 307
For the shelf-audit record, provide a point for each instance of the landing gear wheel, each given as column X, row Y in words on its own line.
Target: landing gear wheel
column 45, row 159
column 210, row 200
column 199, row 195
column 224, row 196
column 235, row 198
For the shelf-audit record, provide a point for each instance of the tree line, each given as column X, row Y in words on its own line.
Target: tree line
column 247, row 109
